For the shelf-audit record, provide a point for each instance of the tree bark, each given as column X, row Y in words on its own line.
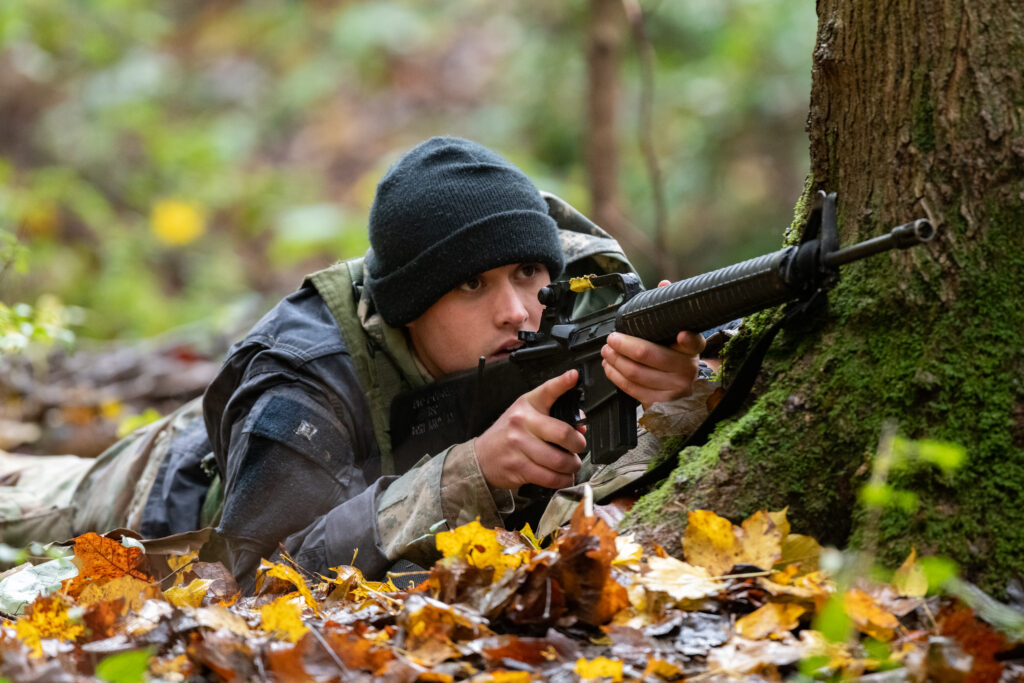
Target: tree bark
column 916, row 110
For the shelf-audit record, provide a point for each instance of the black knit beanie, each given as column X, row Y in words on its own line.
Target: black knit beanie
column 446, row 211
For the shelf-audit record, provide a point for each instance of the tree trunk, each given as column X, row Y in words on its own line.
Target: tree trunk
column 916, row 110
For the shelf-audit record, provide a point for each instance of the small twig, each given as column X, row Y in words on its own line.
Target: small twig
column 333, row 655
column 748, row 575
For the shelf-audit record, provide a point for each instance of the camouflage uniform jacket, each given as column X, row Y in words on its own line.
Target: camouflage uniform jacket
column 297, row 422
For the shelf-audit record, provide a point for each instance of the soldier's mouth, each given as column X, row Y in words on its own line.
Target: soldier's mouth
column 505, row 349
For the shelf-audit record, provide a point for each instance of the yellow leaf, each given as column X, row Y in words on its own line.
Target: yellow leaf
column 216, row 618
column 283, row 618
column 176, row 562
column 771, row 620
column 761, row 540
column 480, row 547
column 868, row 617
column 602, row 667
column 289, row 574
column 910, row 579
column 46, row 618
column 661, row 669
column 680, row 580
column 134, row 591
column 714, row 543
column 503, row 676
column 111, row 409
column 177, row 223
column 802, row 550
column 709, row 542
column 628, row 552
column 188, row 596
column 781, row 523
column 527, row 533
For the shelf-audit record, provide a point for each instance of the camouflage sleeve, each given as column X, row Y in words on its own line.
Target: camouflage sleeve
column 440, row 492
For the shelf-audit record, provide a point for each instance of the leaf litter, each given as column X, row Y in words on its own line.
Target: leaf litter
column 746, row 602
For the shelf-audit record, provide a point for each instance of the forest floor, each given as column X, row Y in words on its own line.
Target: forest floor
column 749, row 601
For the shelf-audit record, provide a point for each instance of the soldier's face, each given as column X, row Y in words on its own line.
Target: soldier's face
column 481, row 317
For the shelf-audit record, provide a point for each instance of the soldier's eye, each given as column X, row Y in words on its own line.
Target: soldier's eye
column 530, row 270
column 471, row 285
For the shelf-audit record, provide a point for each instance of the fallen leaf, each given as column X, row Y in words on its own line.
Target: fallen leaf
column 99, row 558
column 47, row 618
column 771, row 620
column 761, row 541
column 133, row 591
column 910, row 579
column 188, row 596
column 678, row 579
column 661, row 669
column 740, row 657
column 480, row 547
column 710, row 542
column 868, row 617
column 176, row 562
column 801, row 550
column 283, row 618
column 282, row 571
column 600, row 667
column 216, row 618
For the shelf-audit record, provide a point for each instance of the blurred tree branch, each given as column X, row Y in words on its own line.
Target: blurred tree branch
column 605, row 36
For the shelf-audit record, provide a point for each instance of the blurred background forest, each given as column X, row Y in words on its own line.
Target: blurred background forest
column 185, row 163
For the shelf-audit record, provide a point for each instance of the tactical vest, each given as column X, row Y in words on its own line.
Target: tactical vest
column 382, row 357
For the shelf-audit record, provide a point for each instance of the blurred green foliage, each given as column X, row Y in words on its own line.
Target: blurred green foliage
column 160, row 159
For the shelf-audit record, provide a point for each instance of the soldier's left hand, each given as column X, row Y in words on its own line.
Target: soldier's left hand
column 650, row 372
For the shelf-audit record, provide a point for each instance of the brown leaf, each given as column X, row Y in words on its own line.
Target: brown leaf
column 358, row 652
column 529, row 651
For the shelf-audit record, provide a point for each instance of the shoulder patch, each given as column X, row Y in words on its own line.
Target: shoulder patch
column 302, row 424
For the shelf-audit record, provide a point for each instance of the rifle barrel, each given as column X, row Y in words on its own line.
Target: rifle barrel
column 900, row 237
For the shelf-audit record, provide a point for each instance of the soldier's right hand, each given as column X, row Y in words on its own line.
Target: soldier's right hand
column 528, row 446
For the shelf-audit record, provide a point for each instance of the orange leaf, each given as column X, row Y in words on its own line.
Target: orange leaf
column 868, row 617
column 771, row 620
column 99, row 558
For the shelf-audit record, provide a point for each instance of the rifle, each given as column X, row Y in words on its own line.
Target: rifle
column 455, row 409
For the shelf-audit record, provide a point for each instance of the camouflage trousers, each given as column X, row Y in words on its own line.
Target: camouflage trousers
column 46, row 498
